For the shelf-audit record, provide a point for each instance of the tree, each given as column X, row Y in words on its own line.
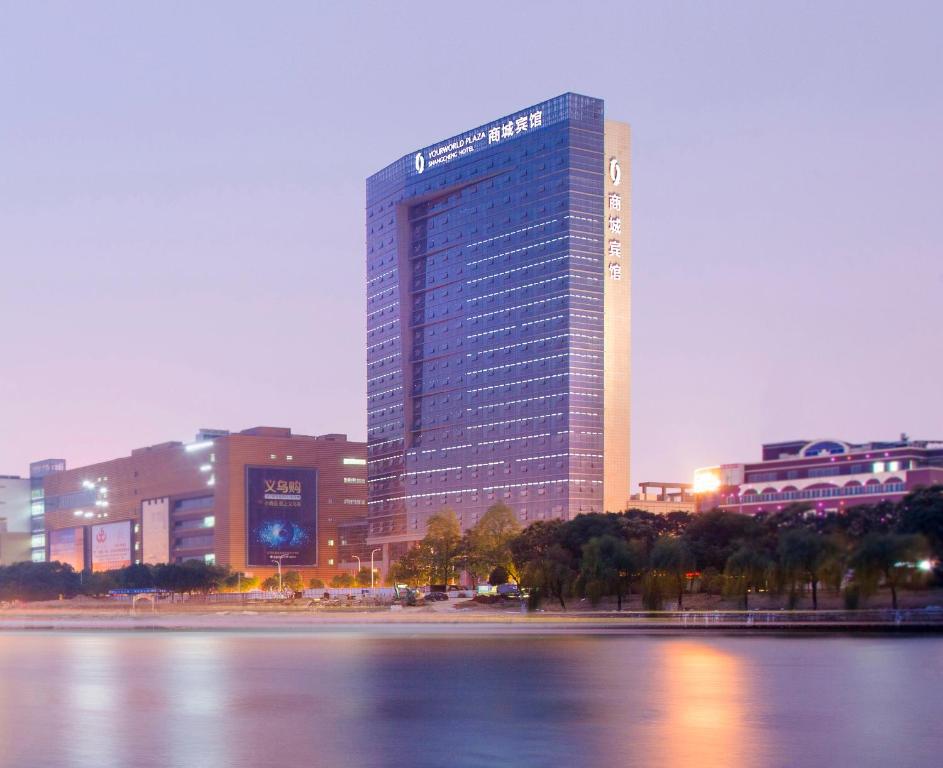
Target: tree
column 363, row 577
column 921, row 511
column 444, row 540
column 608, row 566
column 316, row 584
column 746, row 569
column 671, row 559
column 892, row 556
column 342, row 580
column 270, row 584
column 292, row 580
column 545, row 565
column 414, row 567
column 37, row 581
column 714, row 536
column 488, row 543
column 804, row 554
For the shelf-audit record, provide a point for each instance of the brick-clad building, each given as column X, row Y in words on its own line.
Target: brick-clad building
column 241, row 500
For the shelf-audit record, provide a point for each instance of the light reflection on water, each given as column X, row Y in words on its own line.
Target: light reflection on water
column 231, row 699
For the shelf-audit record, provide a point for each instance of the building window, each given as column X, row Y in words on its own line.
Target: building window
column 357, row 462
column 330, row 561
column 209, row 521
column 330, row 542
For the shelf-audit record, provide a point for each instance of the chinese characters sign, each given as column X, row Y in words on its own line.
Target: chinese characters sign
column 282, row 515
column 614, row 221
column 463, row 145
column 111, row 546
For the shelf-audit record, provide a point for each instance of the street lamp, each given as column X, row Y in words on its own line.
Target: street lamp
column 278, row 562
column 359, row 566
column 378, row 549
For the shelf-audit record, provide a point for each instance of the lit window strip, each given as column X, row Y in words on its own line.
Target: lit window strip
column 381, row 343
column 519, row 344
column 508, row 366
column 515, row 421
column 519, row 306
column 515, row 402
column 430, row 471
column 519, row 288
column 388, row 324
column 515, row 250
column 515, row 232
column 496, row 330
column 381, row 309
column 384, row 392
column 515, row 439
column 516, row 269
column 521, row 381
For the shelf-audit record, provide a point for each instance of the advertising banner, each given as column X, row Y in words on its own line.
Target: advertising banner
column 67, row 545
column 282, row 515
column 111, row 546
column 155, row 530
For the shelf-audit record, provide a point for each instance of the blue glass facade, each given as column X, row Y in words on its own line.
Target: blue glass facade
column 485, row 282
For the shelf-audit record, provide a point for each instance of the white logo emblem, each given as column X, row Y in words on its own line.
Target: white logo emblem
column 615, row 170
column 420, row 163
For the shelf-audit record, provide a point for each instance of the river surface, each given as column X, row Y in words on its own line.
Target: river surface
column 367, row 698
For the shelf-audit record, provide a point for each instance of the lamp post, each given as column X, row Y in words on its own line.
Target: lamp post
column 278, row 562
column 359, row 566
column 378, row 549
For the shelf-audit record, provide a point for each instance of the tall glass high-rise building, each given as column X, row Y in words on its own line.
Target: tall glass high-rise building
column 498, row 266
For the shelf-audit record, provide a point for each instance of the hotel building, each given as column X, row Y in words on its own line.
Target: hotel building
column 242, row 500
column 827, row 475
column 498, row 328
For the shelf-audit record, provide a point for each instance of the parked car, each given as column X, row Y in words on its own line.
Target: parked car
column 437, row 596
column 509, row 591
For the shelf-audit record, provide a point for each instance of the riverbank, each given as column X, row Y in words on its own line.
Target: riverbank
column 464, row 617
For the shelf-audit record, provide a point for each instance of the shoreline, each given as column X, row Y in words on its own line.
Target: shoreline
column 468, row 623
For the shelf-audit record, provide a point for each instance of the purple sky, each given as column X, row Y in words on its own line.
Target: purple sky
column 182, row 195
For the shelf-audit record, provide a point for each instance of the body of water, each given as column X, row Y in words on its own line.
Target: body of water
column 368, row 698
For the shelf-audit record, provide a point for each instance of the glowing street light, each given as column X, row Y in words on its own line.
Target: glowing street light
column 378, row 549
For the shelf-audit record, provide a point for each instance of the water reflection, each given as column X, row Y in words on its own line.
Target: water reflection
column 232, row 699
column 705, row 692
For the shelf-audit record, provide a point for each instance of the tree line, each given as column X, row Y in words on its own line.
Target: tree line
column 793, row 552
column 30, row 581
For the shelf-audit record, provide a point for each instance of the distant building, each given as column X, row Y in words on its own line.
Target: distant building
column 243, row 500
column 662, row 498
column 498, row 328
column 828, row 475
column 15, row 533
column 38, row 471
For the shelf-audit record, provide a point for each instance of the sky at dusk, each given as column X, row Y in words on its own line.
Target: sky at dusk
column 182, row 209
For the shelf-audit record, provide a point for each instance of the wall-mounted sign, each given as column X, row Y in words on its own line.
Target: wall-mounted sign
column 67, row 545
column 282, row 515
column 111, row 546
column 155, row 531
column 615, row 171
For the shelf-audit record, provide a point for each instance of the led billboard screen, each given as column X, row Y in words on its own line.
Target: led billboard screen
column 282, row 515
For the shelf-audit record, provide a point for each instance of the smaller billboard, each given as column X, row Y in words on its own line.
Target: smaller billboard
column 155, row 531
column 67, row 545
column 111, row 546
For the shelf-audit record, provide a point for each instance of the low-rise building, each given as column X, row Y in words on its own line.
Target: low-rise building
column 828, row 475
column 247, row 500
column 15, row 534
column 662, row 498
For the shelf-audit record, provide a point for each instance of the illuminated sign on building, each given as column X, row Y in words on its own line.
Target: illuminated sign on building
column 463, row 145
column 614, row 221
column 282, row 515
